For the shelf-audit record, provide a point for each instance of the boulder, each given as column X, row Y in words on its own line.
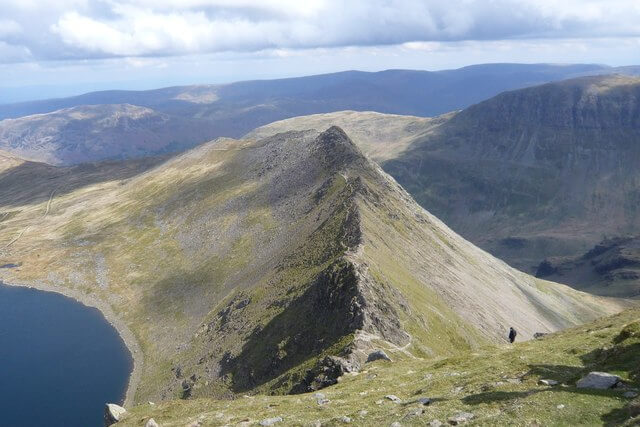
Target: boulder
column 378, row 355
column 539, row 335
column 270, row 421
column 598, row 380
column 548, row 382
column 393, row 398
column 326, row 373
column 425, row 401
column 460, row 418
column 415, row 412
column 151, row 423
column 113, row 413
column 321, row 399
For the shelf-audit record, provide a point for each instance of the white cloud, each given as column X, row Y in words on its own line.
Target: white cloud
column 11, row 54
column 9, row 27
column 86, row 29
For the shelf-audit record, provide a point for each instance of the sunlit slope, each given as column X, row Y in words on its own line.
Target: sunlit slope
column 90, row 133
column 239, row 265
column 380, row 136
column 530, row 174
column 498, row 385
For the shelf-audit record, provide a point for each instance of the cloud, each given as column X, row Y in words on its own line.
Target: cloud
column 9, row 27
column 83, row 29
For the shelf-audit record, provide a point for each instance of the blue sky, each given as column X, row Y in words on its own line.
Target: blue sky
column 73, row 46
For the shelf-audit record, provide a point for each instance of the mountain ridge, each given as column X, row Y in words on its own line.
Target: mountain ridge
column 272, row 266
column 195, row 114
column 526, row 174
column 530, row 174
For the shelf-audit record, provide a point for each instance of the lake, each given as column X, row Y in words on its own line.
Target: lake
column 60, row 361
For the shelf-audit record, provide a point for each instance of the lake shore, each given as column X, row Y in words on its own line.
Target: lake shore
column 105, row 309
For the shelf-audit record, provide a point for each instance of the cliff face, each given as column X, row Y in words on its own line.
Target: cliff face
column 610, row 268
column 537, row 172
column 270, row 265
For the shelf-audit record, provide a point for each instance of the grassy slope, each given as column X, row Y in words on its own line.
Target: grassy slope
column 212, row 259
column 380, row 136
column 166, row 247
column 498, row 384
column 530, row 174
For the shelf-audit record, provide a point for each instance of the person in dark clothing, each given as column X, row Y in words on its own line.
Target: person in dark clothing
column 512, row 335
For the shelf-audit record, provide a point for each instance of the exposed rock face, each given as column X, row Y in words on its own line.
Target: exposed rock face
column 534, row 173
column 326, row 373
column 424, row 401
column 598, row 380
column 257, row 261
column 378, row 355
column 113, row 413
column 611, row 268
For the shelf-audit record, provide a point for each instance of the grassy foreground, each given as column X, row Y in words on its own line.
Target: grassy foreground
column 498, row 384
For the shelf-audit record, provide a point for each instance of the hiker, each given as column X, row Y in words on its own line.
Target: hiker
column 512, row 335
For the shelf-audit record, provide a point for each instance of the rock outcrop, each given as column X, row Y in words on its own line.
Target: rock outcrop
column 598, row 380
column 113, row 413
column 276, row 266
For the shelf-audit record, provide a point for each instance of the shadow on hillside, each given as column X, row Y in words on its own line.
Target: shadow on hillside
column 618, row 358
column 311, row 324
column 32, row 183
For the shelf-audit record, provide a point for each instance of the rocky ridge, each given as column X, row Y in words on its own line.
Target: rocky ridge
column 273, row 265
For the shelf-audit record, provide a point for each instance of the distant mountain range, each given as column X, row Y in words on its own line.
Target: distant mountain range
column 74, row 130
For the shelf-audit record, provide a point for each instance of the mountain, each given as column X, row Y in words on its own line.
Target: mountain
column 381, row 136
column 125, row 124
column 537, row 173
column 498, row 386
column 267, row 265
column 98, row 132
column 422, row 93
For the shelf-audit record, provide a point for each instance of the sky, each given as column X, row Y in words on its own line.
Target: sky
column 61, row 47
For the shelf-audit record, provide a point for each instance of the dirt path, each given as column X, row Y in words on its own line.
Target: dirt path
column 46, row 212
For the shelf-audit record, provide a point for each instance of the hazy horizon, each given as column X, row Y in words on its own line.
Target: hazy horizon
column 9, row 95
column 77, row 46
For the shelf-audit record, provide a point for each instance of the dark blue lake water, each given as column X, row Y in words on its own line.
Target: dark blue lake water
column 60, row 361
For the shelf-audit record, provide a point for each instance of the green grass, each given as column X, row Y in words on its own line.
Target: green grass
column 498, row 384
